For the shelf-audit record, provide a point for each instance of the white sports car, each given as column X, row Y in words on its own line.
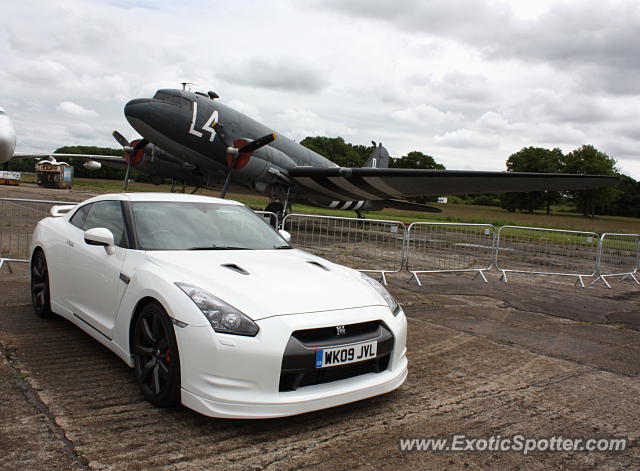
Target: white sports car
column 213, row 308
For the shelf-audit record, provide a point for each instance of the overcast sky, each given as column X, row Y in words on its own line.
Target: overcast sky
column 468, row 82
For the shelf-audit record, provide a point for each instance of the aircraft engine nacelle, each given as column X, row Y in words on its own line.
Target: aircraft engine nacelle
column 92, row 165
column 258, row 165
column 159, row 164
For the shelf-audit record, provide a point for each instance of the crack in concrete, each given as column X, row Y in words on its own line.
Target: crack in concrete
column 34, row 399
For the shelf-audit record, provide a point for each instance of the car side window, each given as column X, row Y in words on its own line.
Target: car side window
column 80, row 216
column 107, row 214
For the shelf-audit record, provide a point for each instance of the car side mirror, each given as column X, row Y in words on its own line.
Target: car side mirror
column 285, row 235
column 100, row 236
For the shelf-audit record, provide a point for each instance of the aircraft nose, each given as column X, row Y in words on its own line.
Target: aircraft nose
column 139, row 108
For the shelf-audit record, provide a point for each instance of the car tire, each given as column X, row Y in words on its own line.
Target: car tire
column 156, row 357
column 40, row 288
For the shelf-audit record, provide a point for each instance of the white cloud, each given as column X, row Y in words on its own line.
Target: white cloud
column 74, row 109
column 469, row 82
column 426, row 116
column 468, row 138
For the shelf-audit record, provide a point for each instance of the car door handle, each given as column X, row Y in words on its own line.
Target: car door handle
column 69, row 243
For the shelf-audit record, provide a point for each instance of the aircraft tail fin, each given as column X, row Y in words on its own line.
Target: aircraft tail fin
column 379, row 158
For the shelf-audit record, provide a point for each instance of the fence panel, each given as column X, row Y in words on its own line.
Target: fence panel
column 618, row 255
column 368, row 245
column 449, row 247
column 18, row 218
column 541, row 251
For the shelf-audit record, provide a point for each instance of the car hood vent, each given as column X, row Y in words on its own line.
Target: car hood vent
column 316, row 264
column 234, row 267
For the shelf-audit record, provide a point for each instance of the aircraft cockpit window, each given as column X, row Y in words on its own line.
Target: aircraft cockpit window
column 170, row 98
column 164, row 96
column 176, row 100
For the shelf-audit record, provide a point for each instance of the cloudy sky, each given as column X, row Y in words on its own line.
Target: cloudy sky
column 466, row 81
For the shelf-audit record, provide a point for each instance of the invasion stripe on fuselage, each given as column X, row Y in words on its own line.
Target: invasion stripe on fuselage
column 355, row 205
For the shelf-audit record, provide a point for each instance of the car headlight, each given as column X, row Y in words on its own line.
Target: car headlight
column 391, row 302
column 222, row 316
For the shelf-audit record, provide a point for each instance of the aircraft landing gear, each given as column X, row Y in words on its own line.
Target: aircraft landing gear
column 274, row 207
column 279, row 203
column 181, row 190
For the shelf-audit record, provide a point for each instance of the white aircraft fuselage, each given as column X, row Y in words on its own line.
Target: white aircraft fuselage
column 7, row 137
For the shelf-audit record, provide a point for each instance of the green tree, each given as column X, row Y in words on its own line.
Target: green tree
column 338, row 151
column 532, row 159
column 588, row 160
column 628, row 201
column 416, row 159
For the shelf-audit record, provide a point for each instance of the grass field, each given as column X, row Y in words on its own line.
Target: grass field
column 450, row 212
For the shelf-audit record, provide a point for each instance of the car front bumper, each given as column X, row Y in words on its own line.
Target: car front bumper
column 239, row 377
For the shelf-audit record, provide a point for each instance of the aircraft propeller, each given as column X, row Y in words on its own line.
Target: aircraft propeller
column 240, row 148
column 130, row 151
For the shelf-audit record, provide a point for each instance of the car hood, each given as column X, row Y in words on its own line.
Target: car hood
column 264, row 283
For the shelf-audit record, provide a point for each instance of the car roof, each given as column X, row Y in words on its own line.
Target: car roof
column 161, row 196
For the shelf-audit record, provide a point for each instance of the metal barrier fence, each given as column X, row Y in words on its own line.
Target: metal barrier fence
column 546, row 252
column 368, row 245
column 618, row 255
column 449, row 247
column 18, row 218
column 384, row 246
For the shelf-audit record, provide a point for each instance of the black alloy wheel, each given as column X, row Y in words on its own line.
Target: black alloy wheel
column 156, row 359
column 40, row 294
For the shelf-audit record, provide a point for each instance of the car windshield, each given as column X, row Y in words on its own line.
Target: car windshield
column 169, row 225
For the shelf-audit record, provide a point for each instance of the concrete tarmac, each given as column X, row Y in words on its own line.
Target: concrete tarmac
column 536, row 357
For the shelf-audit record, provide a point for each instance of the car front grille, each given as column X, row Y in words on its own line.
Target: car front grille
column 298, row 362
column 326, row 336
column 293, row 381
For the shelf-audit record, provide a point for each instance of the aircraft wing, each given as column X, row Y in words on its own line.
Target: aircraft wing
column 108, row 160
column 348, row 184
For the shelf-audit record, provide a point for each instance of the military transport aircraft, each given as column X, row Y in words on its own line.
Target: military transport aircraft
column 193, row 137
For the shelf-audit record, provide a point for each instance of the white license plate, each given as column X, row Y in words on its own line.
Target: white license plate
column 343, row 355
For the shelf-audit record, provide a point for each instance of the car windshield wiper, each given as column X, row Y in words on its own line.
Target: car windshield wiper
column 219, row 247
column 280, row 247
